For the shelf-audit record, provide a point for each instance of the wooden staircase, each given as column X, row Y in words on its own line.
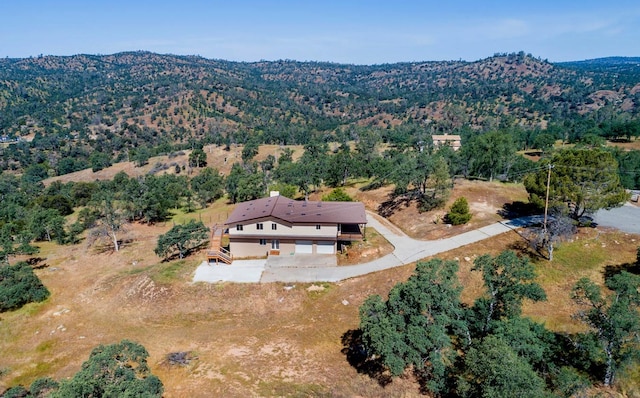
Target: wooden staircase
column 217, row 253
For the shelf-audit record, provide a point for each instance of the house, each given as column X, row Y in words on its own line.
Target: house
column 446, row 139
column 281, row 226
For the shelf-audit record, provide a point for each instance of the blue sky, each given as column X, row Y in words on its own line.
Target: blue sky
column 348, row 31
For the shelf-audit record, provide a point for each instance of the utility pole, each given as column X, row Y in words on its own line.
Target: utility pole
column 546, row 202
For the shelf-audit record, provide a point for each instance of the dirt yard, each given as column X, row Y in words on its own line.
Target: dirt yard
column 485, row 200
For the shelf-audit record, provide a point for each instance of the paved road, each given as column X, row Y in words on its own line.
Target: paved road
column 406, row 251
column 625, row 218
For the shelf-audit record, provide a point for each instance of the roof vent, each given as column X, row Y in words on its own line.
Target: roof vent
column 303, row 214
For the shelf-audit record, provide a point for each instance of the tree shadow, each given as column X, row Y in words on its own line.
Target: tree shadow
column 104, row 245
column 518, row 209
column 613, row 270
column 358, row 358
column 388, row 207
column 187, row 253
column 524, row 249
column 373, row 185
column 37, row 262
column 573, row 349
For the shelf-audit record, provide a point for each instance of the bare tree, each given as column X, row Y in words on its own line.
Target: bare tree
column 544, row 238
column 110, row 222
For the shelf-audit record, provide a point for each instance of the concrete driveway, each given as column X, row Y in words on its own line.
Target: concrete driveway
column 305, row 268
column 241, row 271
column 625, row 218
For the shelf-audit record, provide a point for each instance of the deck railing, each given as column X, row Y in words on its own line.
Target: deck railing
column 219, row 255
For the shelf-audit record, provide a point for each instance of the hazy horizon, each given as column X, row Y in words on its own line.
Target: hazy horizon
column 344, row 32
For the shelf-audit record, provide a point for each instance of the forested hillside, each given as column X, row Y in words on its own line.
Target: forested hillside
column 92, row 110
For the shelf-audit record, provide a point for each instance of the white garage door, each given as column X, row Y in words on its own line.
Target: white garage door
column 325, row 248
column 304, row 246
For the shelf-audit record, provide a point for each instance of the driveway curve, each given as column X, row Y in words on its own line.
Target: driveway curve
column 406, row 250
column 625, row 218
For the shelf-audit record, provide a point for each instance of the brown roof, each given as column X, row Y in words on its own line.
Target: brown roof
column 299, row 211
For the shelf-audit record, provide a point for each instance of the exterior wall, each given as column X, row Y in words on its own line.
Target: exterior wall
column 455, row 143
column 246, row 243
column 325, row 231
column 242, row 248
column 301, row 230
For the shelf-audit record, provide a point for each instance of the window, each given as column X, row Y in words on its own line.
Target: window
column 239, row 227
column 260, row 226
column 263, row 242
column 275, row 244
column 317, row 226
column 274, row 226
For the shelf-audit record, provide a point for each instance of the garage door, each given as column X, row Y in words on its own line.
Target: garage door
column 325, row 248
column 304, row 246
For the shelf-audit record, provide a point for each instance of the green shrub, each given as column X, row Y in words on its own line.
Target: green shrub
column 15, row 392
column 19, row 286
column 337, row 195
column 459, row 213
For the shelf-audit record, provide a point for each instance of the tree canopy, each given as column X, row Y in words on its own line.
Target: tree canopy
column 19, row 285
column 486, row 350
column 613, row 318
column 508, row 280
column 413, row 327
column 182, row 238
column 115, row 370
column 582, row 181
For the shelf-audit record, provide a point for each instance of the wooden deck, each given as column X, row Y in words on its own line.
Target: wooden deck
column 217, row 253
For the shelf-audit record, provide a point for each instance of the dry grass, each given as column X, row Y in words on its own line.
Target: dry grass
column 217, row 158
column 253, row 339
column 634, row 144
column 485, row 200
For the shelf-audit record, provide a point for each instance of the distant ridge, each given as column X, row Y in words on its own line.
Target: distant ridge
column 623, row 65
column 75, row 106
column 605, row 61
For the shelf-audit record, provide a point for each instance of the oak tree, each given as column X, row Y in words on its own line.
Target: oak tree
column 182, row 238
column 508, row 280
column 416, row 324
column 613, row 318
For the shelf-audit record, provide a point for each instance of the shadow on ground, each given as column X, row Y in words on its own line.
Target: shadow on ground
column 357, row 357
